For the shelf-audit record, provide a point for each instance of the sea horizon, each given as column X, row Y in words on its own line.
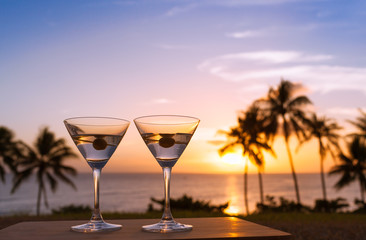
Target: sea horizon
column 131, row 192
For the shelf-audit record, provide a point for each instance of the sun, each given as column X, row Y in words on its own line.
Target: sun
column 232, row 210
column 232, row 158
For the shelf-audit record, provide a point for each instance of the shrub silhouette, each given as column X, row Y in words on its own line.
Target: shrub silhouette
column 187, row 203
column 284, row 205
column 330, row 206
column 71, row 209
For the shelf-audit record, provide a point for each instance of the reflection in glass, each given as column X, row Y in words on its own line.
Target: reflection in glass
column 96, row 138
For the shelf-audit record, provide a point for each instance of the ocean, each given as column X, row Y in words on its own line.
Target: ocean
column 127, row 192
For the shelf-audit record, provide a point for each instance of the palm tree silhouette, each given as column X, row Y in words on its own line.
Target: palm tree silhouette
column 325, row 132
column 360, row 124
column 352, row 167
column 249, row 135
column 9, row 152
column 46, row 161
column 285, row 112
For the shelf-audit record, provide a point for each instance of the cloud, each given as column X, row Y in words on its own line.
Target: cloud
column 180, row 9
column 158, row 101
column 276, row 57
column 245, row 34
column 161, row 101
column 256, row 89
column 350, row 112
column 193, row 4
column 267, row 67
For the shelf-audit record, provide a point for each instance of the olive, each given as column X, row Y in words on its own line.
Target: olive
column 166, row 141
column 99, row 144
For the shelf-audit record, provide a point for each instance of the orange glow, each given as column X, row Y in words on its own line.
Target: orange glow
column 234, row 201
column 202, row 157
column 232, row 210
column 232, row 158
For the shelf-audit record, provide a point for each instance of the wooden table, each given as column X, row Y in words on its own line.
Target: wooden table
column 203, row 228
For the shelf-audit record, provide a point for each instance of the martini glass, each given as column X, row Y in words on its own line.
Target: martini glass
column 96, row 138
column 166, row 136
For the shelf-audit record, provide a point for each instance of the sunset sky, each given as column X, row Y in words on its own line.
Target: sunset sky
column 204, row 58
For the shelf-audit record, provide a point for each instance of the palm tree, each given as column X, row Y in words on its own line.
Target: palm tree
column 285, row 113
column 248, row 134
column 46, row 161
column 253, row 124
column 9, row 151
column 352, row 167
column 237, row 138
column 360, row 124
column 325, row 132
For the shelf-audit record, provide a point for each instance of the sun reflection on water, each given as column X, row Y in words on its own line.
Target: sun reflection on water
column 232, row 192
column 232, row 210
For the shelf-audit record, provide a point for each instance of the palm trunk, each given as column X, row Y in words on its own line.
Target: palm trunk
column 323, row 178
column 362, row 193
column 246, row 186
column 40, row 188
column 293, row 172
column 260, row 185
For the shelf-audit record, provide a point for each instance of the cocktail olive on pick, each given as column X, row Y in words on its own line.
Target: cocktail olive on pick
column 166, row 141
column 99, row 144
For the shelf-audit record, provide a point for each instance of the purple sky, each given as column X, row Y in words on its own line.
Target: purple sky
column 205, row 58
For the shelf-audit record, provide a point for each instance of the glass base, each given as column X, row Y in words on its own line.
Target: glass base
column 167, row 227
column 96, row 226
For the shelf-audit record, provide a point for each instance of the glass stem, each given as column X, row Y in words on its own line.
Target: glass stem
column 97, row 216
column 167, row 215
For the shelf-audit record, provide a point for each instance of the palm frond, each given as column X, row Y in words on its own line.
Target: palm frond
column 52, row 181
column 21, row 177
column 351, row 167
column 298, row 102
column 298, row 130
column 360, row 123
column 10, row 162
column 65, row 179
column 362, row 180
column 2, row 174
column 228, row 147
column 67, row 169
column 61, row 156
column 47, row 154
column 256, row 157
column 222, row 132
column 43, row 190
column 345, row 180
